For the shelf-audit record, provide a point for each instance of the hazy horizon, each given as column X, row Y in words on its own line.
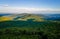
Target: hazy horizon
column 30, row 6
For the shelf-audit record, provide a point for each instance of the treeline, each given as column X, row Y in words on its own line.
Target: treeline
column 28, row 23
column 35, row 30
column 11, row 32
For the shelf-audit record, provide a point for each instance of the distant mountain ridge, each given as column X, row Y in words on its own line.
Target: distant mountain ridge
column 25, row 17
column 55, row 17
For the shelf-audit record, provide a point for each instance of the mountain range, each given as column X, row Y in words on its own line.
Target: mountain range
column 25, row 17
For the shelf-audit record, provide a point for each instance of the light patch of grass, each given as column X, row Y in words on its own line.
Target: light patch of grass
column 5, row 18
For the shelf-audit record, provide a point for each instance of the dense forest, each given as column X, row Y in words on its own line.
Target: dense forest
column 29, row 30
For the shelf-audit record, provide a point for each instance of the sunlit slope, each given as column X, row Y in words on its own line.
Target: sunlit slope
column 21, row 17
column 32, row 17
column 5, row 18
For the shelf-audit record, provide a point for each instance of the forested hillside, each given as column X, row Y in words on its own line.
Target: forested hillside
column 29, row 30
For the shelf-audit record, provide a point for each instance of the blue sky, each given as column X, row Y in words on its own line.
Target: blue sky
column 29, row 6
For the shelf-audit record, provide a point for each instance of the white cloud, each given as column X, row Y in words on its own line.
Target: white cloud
column 7, row 9
column 3, row 5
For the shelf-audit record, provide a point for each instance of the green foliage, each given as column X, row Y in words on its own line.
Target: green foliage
column 29, row 30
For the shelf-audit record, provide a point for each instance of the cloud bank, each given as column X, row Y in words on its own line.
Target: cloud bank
column 7, row 9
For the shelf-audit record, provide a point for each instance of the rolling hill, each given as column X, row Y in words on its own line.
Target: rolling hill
column 29, row 26
column 22, row 17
